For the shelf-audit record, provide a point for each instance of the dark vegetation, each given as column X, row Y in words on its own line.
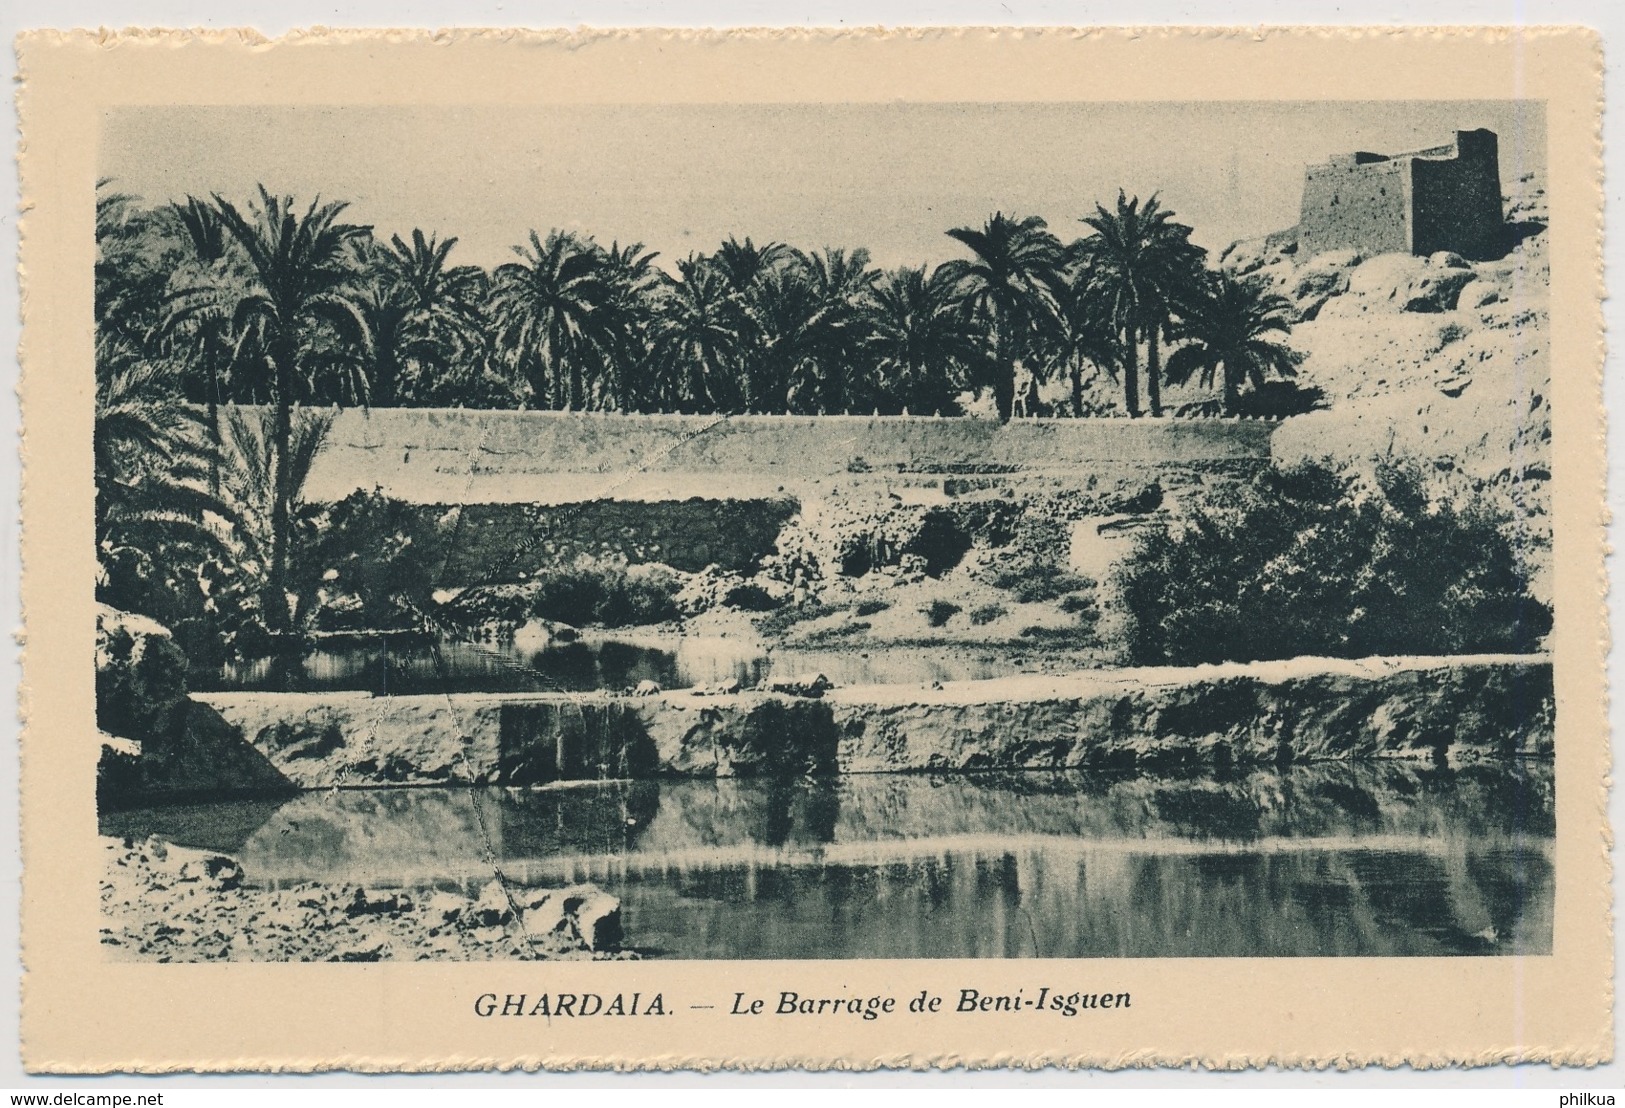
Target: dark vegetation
column 1311, row 562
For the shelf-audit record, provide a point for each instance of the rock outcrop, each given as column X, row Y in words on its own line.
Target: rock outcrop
column 1215, row 716
column 158, row 743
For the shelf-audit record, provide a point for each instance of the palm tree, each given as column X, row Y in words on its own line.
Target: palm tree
column 150, row 467
column 422, row 313
column 135, row 256
column 1084, row 333
column 1013, row 285
column 745, row 263
column 554, row 314
column 300, row 298
column 922, row 341
column 842, row 287
column 197, row 317
column 695, row 339
column 1139, row 260
column 635, row 288
column 250, row 477
column 1228, row 330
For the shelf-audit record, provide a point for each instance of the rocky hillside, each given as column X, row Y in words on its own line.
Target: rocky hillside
column 1438, row 359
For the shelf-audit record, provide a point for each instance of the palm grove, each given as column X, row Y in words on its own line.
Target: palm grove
column 226, row 333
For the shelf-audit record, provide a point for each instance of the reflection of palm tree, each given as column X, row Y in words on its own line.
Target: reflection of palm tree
column 923, row 343
column 1139, row 260
column 1229, row 327
column 1012, row 286
column 300, row 299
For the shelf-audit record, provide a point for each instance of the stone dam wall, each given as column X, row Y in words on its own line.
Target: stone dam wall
column 484, row 543
column 1203, row 718
column 461, row 456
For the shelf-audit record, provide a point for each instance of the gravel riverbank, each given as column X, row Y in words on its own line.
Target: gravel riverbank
column 162, row 903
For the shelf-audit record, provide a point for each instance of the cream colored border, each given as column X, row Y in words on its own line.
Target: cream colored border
column 81, row 1014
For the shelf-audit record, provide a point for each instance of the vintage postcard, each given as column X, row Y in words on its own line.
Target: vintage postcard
column 810, row 549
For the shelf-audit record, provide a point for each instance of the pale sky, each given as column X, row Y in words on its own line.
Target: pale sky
column 892, row 177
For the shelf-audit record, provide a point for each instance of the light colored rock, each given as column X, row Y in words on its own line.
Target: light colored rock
column 1401, row 282
column 1336, row 259
column 1447, row 259
column 444, row 907
column 597, row 918
column 491, row 907
column 812, row 685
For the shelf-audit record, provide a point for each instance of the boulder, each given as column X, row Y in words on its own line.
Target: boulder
column 1447, row 259
column 807, row 684
column 1317, row 282
column 140, row 675
column 444, row 907
column 583, row 913
column 364, row 903
column 1401, row 282
column 1336, row 259
column 597, row 918
column 491, row 907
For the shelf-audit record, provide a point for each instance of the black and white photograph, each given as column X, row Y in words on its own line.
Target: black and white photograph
column 820, row 550
column 1072, row 530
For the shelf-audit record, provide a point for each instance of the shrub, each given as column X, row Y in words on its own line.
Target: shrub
column 1278, row 399
column 381, row 551
column 1038, row 582
column 939, row 612
column 1077, row 603
column 872, row 607
column 1306, row 562
column 987, row 613
column 750, row 598
column 607, row 594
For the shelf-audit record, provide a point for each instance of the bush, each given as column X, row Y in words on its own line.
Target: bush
column 1036, row 583
column 1077, row 603
column 987, row 613
column 1306, row 562
column 872, row 607
column 939, row 612
column 377, row 550
column 750, row 598
column 607, row 594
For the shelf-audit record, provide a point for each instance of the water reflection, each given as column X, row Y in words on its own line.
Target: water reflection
column 1315, row 861
column 405, row 668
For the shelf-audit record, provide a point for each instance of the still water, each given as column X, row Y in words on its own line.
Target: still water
column 1313, row 861
column 402, row 669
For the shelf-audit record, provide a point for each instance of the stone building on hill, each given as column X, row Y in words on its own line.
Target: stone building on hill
column 1442, row 198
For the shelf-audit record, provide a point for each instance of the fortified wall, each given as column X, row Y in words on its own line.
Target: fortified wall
column 1443, row 198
